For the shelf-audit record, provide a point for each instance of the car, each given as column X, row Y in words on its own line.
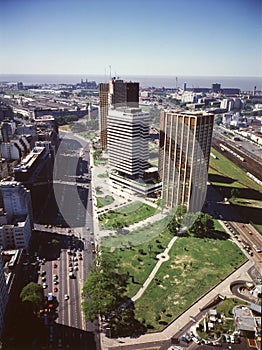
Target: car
column 43, row 279
column 75, row 268
column 195, row 340
column 44, row 285
column 66, row 296
column 70, row 269
column 55, row 282
column 55, row 277
column 55, row 289
column 70, row 264
column 55, row 265
column 184, row 339
column 42, row 273
column 76, row 263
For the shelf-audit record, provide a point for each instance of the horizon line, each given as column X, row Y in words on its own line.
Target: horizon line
column 142, row 75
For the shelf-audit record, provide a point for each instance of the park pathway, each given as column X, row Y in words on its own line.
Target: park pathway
column 162, row 257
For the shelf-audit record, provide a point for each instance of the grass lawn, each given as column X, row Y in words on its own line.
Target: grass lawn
column 99, row 190
column 89, row 135
column 225, row 175
column 103, row 176
column 103, row 201
column 125, row 216
column 65, row 127
column 195, row 266
column 138, row 259
column 235, row 176
column 227, row 305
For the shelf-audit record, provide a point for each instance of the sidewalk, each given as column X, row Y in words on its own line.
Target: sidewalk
column 223, row 288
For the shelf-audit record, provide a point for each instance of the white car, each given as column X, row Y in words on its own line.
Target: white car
column 44, row 285
column 66, row 296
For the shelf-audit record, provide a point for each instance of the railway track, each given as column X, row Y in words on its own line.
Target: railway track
column 249, row 164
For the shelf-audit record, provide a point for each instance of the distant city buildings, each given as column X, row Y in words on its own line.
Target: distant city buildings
column 6, row 112
column 20, row 85
column 184, row 149
column 116, row 93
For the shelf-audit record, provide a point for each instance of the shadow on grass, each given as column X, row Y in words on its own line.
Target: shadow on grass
column 249, row 214
column 124, row 323
column 244, row 193
column 220, row 178
column 219, row 235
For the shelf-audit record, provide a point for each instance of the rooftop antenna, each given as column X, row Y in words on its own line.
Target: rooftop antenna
column 110, row 72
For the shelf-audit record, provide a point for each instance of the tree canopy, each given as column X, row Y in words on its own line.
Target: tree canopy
column 103, row 289
column 32, row 293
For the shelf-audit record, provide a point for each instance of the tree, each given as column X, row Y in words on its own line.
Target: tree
column 103, row 288
column 176, row 222
column 203, row 224
column 32, row 293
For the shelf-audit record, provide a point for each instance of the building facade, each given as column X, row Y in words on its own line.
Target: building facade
column 16, row 220
column 128, row 136
column 103, row 113
column 16, row 199
column 114, row 94
column 184, row 150
column 3, row 295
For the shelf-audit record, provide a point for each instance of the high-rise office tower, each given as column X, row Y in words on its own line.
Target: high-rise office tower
column 103, row 113
column 128, row 135
column 184, row 150
column 116, row 93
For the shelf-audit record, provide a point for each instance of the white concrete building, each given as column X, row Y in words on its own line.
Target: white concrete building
column 128, row 136
column 17, row 221
column 16, row 235
column 16, row 199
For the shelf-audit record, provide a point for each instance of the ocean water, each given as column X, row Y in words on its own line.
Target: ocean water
column 170, row 81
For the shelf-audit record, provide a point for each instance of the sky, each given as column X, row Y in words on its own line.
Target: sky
column 147, row 37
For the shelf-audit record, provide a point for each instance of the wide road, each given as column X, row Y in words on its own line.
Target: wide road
column 69, row 323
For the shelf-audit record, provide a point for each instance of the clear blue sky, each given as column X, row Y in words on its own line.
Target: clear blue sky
column 176, row 37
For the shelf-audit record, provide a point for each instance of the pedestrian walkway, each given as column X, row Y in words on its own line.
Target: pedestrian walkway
column 162, row 257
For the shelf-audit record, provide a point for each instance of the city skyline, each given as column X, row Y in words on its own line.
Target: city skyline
column 149, row 37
